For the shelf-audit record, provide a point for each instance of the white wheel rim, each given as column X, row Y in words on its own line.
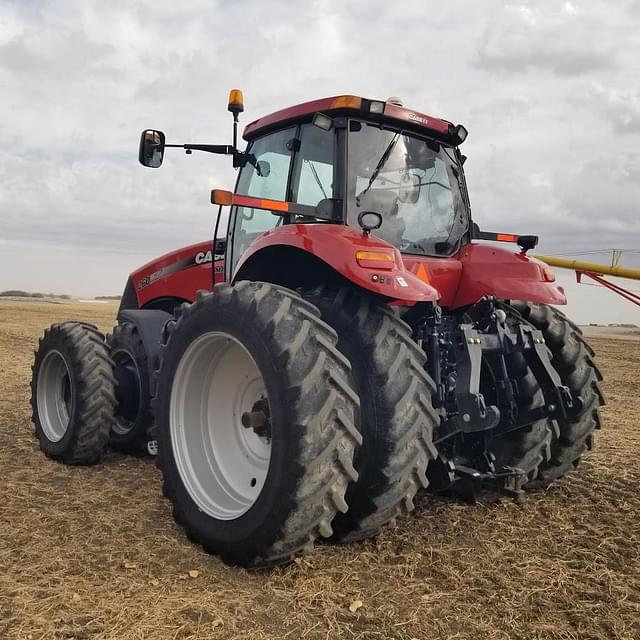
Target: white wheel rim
column 54, row 396
column 222, row 464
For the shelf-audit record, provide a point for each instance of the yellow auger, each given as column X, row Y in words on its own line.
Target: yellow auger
column 595, row 271
column 581, row 266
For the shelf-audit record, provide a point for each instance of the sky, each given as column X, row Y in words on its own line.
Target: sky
column 549, row 91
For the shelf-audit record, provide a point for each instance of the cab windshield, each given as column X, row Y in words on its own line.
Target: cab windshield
column 413, row 183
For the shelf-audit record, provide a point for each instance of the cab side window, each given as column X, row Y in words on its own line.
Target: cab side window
column 267, row 173
column 266, row 176
column 313, row 173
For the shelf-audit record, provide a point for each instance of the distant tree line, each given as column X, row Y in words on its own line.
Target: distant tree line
column 26, row 294
column 18, row 293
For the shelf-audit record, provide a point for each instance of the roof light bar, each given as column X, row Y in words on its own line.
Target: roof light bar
column 347, row 102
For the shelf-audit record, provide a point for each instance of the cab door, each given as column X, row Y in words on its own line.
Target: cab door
column 297, row 165
column 266, row 176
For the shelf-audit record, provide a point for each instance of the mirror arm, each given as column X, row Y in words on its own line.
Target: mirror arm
column 223, row 149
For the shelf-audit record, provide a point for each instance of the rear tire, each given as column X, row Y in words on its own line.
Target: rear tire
column 133, row 417
column 573, row 359
column 72, row 393
column 526, row 448
column 396, row 415
column 304, row 461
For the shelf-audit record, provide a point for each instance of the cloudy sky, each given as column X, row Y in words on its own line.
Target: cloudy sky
column 550, row 92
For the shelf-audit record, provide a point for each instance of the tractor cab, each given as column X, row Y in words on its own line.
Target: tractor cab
column 374, row 166
column 342, row 157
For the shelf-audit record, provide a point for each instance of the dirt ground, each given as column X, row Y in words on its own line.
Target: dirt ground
column 617, row 333
column 93, row 553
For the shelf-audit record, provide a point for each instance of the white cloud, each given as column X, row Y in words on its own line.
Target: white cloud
column 568, row 40
column 619, row 106
column 547, row 90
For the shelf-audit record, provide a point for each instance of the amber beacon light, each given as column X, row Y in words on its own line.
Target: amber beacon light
column 236, row 101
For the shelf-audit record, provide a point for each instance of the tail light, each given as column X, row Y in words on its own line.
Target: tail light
column 548, row 275
column 383, row 260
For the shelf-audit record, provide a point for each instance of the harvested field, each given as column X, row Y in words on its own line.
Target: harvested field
column 93, row 553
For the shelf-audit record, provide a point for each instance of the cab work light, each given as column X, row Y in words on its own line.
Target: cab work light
column 322, row 122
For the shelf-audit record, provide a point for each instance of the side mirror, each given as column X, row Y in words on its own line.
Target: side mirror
column 151, row 150
column 219, row 247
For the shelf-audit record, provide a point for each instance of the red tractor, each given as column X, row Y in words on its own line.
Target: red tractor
column 348, row 343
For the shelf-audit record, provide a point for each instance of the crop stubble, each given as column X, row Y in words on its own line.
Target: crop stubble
column 93, row 553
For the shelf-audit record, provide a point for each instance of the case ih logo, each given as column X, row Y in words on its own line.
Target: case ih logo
column 203, row 256
column 416, row 118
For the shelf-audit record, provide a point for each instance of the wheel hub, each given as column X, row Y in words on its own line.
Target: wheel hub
column 258, row 419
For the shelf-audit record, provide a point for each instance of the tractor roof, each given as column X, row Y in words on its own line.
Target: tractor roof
column 355, row 106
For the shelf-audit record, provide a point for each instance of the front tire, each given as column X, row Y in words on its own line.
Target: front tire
column 260, row 350
column 72, row 393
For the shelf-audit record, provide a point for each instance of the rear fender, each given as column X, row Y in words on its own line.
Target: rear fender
column 334, row 246
column 505, row 274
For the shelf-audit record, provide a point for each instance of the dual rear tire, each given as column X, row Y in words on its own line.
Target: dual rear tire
column 396, row 417
column 548, row 449
column 256, row 423
column 573, row 359
column 263, row 443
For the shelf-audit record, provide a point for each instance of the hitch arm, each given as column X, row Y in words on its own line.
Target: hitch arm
column 474, row 414
column 560, row 402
